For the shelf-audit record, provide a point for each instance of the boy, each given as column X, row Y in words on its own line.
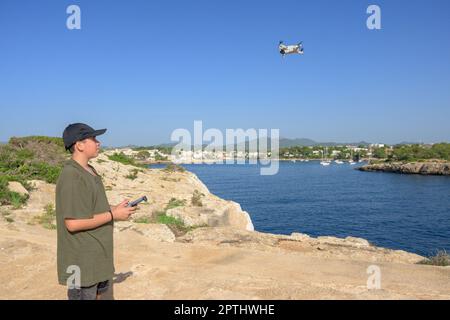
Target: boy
column 85, row 219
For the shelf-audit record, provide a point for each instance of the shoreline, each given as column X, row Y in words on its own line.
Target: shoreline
column 224, row 161
column 429, row 168
column 224, row 260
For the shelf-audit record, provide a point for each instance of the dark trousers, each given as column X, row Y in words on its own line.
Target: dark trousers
column 88, row 293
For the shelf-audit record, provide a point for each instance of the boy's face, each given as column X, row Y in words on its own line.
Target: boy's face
column 89, row 147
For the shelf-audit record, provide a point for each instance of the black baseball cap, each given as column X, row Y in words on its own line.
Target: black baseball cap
column 77, row 132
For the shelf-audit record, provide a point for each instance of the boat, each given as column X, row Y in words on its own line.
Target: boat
column 338, row 161
column 324, row 162
column 351, row 162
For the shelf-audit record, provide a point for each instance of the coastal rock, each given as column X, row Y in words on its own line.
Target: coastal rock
column 41, row 195
column 191, row 216
column 128, row 182
column 229, row 236
column 300, row 236
column 425, row 168
column 357, row 242
column 17, row 187
column 154, row 231
column 349, row 241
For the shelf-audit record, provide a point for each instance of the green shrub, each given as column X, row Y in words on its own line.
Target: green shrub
column 417, row 152
column 124, row 159
column 172, row 167
column 159, row 157
column 196, row 199
column 442, row 258
column 142, row 155
column 132, row 175
column 27, row 158
column 40, row 171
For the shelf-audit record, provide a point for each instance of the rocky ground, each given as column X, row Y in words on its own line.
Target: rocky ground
column 427, row 168
column 221, row 258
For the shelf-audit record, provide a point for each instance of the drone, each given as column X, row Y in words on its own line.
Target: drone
column 295, row 48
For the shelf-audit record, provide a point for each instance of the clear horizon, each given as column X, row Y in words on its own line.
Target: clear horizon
column 146, row 69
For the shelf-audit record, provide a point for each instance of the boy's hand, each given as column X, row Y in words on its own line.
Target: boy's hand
column 121, row 212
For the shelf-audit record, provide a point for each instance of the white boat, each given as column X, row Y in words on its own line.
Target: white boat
column 338, row 161
column 351, row 162
column 324, row 162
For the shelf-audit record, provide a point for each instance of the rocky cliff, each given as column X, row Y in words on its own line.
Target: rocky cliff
column 425, row 168
column 216, row 255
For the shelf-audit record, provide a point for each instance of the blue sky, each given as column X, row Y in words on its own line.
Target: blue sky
column 144, row 68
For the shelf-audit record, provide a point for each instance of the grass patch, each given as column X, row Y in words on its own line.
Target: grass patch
column 48, row 217
column 101, row 160
column 441, row 258
column 9, row 219
column 165, row 219
column 17, row 200
column 173, row 203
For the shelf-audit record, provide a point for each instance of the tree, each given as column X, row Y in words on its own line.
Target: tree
column 143, row 155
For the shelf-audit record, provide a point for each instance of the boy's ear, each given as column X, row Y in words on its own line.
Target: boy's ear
column 78, row 146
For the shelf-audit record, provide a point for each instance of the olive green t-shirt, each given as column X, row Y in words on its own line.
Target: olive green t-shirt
column 81, row 195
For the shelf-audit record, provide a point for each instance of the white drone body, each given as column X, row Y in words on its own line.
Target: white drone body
column 295, row 48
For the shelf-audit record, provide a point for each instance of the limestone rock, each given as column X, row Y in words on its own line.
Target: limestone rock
column 300, row 236
column 426, row 168
column 17, row 187
column 154, row 231
column 357, row 242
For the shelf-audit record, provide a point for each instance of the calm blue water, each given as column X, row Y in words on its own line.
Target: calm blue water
column 408, row 212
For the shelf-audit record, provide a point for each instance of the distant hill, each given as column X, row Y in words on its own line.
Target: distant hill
column 407, row 143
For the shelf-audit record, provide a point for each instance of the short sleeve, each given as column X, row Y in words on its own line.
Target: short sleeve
column 74, row 199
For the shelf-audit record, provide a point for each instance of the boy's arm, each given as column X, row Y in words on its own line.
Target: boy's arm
column 119, row 212
column 74, row 225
